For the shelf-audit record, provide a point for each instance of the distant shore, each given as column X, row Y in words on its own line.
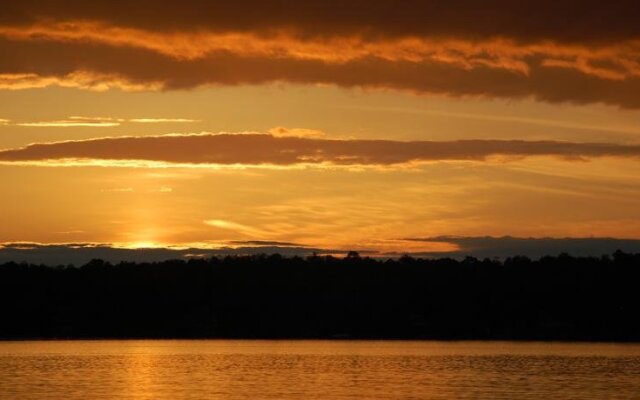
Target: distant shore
column 563, row 298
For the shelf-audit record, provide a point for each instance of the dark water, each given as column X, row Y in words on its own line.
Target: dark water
column 317, row 370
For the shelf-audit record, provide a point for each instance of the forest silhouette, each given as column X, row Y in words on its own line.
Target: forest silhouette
column 553, row 298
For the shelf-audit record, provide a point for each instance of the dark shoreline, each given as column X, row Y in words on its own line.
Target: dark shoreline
column 554, row 299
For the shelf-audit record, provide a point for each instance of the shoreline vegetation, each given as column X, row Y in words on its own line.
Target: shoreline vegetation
column 560, row 298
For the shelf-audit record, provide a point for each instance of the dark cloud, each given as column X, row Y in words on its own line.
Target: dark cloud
column 103, row 64
column 81, row 253
column 265, row 149
column 564, row 20
column 508, row 246
column 481, row 247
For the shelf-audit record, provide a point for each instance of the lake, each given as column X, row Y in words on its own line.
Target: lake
column 245, row 369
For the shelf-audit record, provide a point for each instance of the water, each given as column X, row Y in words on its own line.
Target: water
column 218, row 369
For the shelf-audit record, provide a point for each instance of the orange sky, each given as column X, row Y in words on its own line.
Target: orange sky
column 336, row 130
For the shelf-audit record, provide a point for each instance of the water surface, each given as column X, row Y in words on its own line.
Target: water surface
column 221, row 369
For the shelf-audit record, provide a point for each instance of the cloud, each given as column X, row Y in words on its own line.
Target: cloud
column 266, row 149
column 499, row 49
column 281, row 131
column 508, row 246
column 75, row 79
column 481, row 247
column 100, row 67
column 264, row 243
column 160, row 120
column 94, row 122
column 105, row 119
column 234, row 226
column 499, row 52
column 568, row 21
column 81, row 253
column 69, row 124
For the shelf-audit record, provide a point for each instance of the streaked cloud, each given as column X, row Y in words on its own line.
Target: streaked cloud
column 281, row 131
column 266, row 149
column 160, row 120
column 235, row 227
column 264, row 243
column 106, row 119
column 70, row 232
column 93, row 122
column 508, row 246
column 69, row 123
column 513, row 121
column 79, row 79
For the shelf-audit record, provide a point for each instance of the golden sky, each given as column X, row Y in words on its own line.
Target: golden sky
column 330, row 125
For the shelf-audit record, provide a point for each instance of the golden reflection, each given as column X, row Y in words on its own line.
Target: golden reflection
column 237, row 369
column 141, row 372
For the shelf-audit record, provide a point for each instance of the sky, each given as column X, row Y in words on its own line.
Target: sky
column 423, row 127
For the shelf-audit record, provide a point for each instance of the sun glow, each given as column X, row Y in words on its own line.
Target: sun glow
column 145, row 244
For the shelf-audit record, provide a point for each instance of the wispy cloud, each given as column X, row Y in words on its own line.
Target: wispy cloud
column 79, row 79
column 70, row 123
column 106, row 119
column 119, row 190
column 94, row 122
column 235, row 227
column 264, row 243
column 268, row 150
column 556, row 123
column 161, row 120
column 281, row 131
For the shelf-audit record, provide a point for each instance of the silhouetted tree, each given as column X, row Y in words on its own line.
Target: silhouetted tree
column 559, row 298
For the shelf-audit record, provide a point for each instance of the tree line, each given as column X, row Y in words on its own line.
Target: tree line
column 553, row 298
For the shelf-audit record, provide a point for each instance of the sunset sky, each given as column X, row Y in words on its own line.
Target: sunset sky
column 380, row 126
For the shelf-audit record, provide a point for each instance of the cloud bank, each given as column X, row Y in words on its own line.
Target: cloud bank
column 81, row 253
column 580, row 52
column 480, row 247
column 508, row 246
column 266, row 149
